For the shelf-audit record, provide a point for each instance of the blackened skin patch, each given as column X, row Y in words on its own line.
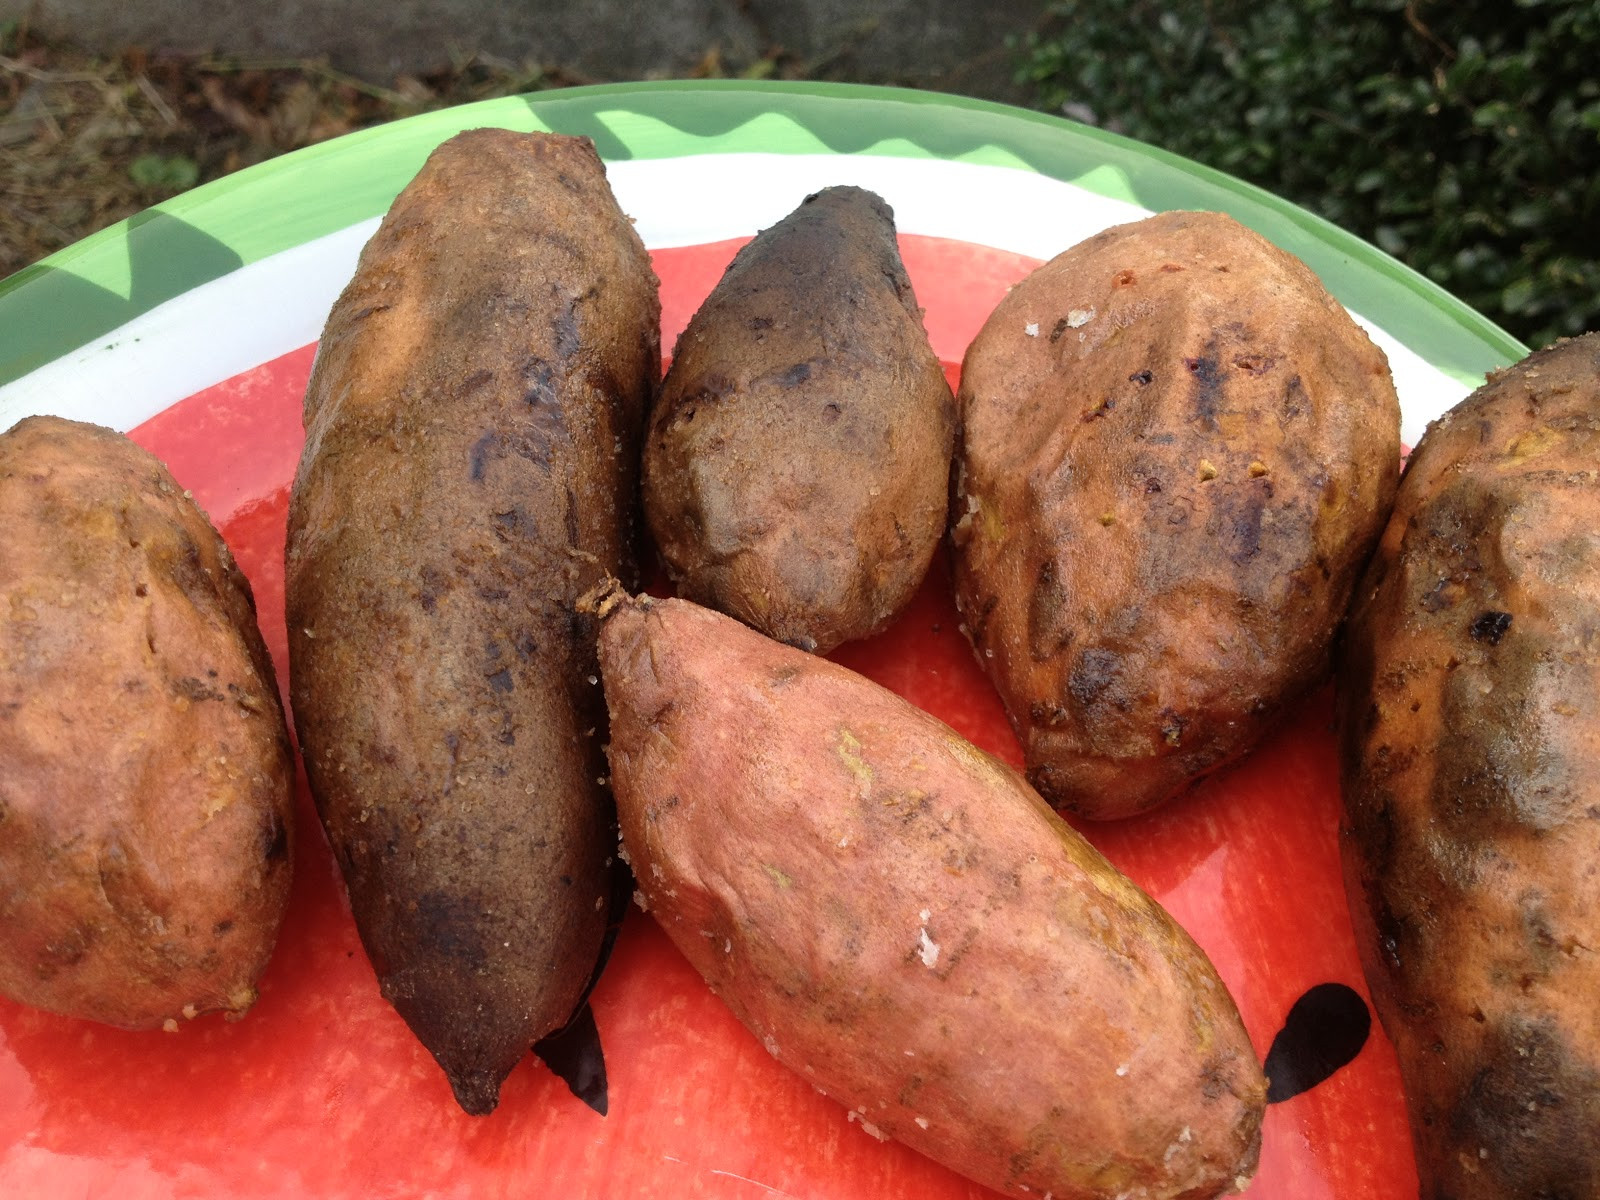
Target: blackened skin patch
column 1324, row 1030
column 450, row 922
column 481, row 450
column 1490, row 627
column 1207, row 385
column 274, row 838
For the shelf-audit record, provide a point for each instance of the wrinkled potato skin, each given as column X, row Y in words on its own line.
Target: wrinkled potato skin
column 907, row 925
column 1470, row 725
column 146, row 782
column 472, row 440
column 794, row 474
column 1162, row 499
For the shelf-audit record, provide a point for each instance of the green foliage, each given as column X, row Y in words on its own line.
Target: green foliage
column 167, row 173
column 1462, row 136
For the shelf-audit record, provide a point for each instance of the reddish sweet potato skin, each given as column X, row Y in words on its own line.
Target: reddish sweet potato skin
column 1177, row 452
column 795, row 471
column 908, row 926
column 471, row 466
column 1470, row 724
column 146, row 802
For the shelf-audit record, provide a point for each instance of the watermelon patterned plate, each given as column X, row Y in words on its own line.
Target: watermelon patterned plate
column 193, row 326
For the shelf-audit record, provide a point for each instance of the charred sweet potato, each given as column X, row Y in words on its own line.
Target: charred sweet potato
column 1470, row 726
column 794, row 473
column 1177, row 452
column 471, row 465
column 905, row 923
column 146, row 783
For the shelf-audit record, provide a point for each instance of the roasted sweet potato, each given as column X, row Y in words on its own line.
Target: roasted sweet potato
column 471, row 465
column 146, row 782
column 794, row 473
column 905, row 923
column 1469, row 709
column 1177, row 452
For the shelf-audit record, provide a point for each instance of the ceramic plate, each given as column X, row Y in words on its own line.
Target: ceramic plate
column 193, row 327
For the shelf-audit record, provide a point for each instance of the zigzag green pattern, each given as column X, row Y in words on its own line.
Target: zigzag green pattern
column 89, row 289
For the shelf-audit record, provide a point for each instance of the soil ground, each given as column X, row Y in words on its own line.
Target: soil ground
column 86, row 140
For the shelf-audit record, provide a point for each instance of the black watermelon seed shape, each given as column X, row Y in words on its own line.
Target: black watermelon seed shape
column 1325, row 1029
column 574, row 1054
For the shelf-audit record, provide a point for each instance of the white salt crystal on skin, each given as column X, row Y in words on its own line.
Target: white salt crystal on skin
column 1031, row 329
column 928, row 949
column 869, row 1128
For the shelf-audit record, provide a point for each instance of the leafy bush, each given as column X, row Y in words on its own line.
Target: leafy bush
column 1462, row 136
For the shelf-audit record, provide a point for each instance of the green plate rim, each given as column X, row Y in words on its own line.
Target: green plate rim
column 72, row 297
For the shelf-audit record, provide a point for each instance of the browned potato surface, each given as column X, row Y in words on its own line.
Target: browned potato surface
column 794, row 474
column 1470, row 718
column 472, row 441
column 905, row 923
column 1177, row 452
column 146, row 783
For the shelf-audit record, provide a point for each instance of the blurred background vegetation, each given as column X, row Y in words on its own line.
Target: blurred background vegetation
column 1462, row 136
